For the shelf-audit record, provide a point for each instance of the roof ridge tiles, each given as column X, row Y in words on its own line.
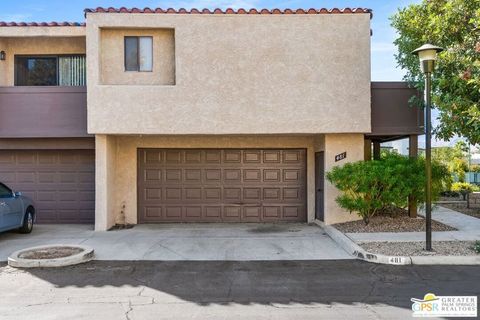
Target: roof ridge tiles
column 216, row 11
column 346, row 10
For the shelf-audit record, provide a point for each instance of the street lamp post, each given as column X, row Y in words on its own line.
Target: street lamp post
column 427, row 55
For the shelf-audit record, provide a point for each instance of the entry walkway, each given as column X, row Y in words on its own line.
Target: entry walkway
column 242, row 242
column 468, row 229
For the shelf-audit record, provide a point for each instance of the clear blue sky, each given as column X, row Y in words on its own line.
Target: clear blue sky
column 383, row 62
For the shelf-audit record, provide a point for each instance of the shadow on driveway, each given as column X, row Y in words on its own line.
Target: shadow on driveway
column 267, row 282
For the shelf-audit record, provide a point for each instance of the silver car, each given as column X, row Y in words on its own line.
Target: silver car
column 16, row 211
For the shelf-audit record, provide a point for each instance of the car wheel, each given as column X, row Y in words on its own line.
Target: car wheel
column 27, row 226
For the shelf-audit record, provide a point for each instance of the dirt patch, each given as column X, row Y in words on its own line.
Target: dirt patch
column 462, row 207
column 440, row 248
column 121, row 227
column 391, row 220
column 50, row 253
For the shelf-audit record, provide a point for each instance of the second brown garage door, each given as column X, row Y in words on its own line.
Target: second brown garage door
column 221, row 185
column 61, row 182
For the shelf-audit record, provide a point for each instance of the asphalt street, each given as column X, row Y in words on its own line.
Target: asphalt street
column 336, row 289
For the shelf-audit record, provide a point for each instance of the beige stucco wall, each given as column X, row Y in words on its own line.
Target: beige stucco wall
column 124, row 197
column 3, row 64
column 35, row 46
column 240, row 74
column 116, row 182
column 112, row 49
column 353, row 145
column 105, row 182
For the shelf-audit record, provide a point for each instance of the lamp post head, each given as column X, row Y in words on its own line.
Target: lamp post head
column 427, row 55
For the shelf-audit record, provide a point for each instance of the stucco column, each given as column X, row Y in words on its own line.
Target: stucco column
column 376, row 150
column 367, row 149
column 336, row 144
column 105, row 150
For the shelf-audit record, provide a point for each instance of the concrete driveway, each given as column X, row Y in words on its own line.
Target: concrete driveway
column 236, row 242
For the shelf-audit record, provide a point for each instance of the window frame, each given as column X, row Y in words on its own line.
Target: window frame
column 39, row 56
column 138, row 53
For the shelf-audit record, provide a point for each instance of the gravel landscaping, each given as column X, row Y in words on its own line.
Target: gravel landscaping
column 461, row 206
column 50, row 253
column 441, row 248
column 397, row 221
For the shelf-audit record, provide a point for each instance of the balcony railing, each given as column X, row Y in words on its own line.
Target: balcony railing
column 392, row 114
column 47, row 112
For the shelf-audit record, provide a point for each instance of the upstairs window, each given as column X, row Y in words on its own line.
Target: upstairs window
column 138, row 53
column 50, row 70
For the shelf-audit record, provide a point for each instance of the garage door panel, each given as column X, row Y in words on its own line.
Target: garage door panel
column 214, row 213
column 7, row 158
column 232, row 213
column 217, row 185
column 213, row 156
column 272, row 213
column 7, row 177
column 61, row 182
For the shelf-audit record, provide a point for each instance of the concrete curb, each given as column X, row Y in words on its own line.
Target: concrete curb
column 447, row 260
column 86, row 255
column 358, row 252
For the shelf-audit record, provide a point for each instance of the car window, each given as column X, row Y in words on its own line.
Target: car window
column 5, row 192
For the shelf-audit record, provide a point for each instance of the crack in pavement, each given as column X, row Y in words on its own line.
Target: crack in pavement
column 130, row 309
column 150, row 250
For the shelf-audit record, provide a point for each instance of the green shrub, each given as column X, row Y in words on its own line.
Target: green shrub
column 464, row 188
column 476, row 246
column 369, row 186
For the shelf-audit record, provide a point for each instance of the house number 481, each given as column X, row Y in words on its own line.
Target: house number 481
column 340, row 156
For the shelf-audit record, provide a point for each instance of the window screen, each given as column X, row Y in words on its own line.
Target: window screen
column 145, row 53
column 71, row 71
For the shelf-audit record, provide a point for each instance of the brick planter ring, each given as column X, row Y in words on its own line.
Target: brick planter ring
column 54, row 255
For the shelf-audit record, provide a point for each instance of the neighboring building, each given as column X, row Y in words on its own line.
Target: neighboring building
column 192, row 117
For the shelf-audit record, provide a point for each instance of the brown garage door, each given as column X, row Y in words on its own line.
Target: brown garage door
column 228, row 185
column 61, row 182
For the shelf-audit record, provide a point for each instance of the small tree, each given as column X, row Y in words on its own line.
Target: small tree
column 453, row 25
column 464, row 188
column 369, row 186
column 475, row 168
column 455, row 158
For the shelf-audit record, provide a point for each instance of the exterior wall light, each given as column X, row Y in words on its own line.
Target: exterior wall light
column 2, row 55
column 427, row 55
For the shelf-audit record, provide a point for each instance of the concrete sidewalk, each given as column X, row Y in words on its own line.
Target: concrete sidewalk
column 468, row 229
column 241, row 242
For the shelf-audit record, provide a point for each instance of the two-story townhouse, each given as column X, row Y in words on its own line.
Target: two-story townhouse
column 45, row 150
column 197, row 116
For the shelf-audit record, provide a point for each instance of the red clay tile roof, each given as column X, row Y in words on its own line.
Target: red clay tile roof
column 229, row 11
column 42, row 24
column 185, row 11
